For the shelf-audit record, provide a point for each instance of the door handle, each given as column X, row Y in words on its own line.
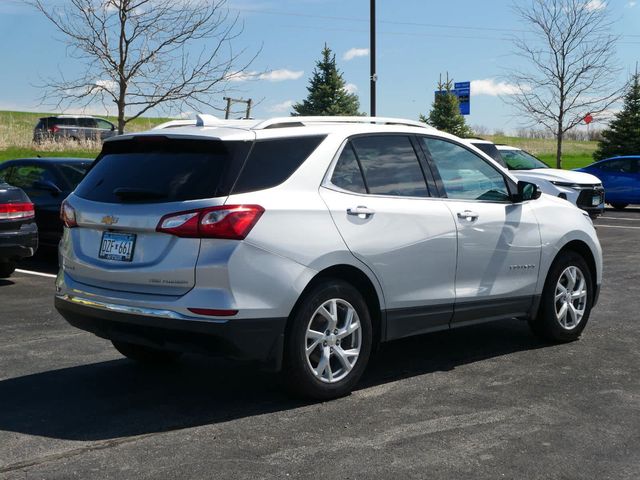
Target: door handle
column 360, row 211
column 468, row 215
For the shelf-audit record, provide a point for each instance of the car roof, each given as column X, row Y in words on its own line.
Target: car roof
column 619, row 157
column 478, row 140
column 506, row 147
column 69, row 116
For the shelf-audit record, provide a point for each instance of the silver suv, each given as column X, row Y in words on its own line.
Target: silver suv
column 73, row 127
column 304, row 242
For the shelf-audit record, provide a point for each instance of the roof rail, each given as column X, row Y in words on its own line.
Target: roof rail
column 174, row 124
column 280, row 122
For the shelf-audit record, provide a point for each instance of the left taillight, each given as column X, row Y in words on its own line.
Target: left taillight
column 17, row 211
column 228, row 221
column 68, row 215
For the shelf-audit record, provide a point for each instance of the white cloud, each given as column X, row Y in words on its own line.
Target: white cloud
column 281, row 107
column 109, row 85
column 592, row 5
column 271, row 76
column 355, row 52
column 631, row 3
column 351, row 88
column 489, row 86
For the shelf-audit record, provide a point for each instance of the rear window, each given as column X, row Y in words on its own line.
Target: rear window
column 159, row 169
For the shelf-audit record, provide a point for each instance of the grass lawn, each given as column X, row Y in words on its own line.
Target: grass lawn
column 11, row 153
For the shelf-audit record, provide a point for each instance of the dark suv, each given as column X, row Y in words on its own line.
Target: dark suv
column 73, row 127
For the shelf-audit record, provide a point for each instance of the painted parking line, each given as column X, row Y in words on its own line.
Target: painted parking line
column 598, row 225
column 39, row 274
column 622, row 218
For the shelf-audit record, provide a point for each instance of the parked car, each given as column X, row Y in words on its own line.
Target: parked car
column 47, row 182
column 18, row 230
column 620, row 177
column 583, row 190
column 303, row 242
column 73, row 127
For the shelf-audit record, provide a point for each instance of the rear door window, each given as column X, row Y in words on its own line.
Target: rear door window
column 390, row 165
column 347, row 174
column 160, row 169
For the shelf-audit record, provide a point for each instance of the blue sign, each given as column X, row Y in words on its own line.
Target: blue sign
column 462, row 90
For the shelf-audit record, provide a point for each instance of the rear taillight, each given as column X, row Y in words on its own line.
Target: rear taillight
column 54, row 129
column 228, row 221
column 68, row 215
column 17, row 211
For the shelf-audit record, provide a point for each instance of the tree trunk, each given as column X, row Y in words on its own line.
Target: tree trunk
column 559, row 135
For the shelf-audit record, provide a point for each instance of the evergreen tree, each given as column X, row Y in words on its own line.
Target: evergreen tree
column 327, row 92
column 623, row 135
column 445, row 112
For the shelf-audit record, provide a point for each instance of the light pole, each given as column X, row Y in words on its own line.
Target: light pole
column 372, row 56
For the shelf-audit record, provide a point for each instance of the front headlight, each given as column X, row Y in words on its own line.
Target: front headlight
column 565, row 184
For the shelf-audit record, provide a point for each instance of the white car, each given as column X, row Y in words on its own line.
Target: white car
column 582, row 189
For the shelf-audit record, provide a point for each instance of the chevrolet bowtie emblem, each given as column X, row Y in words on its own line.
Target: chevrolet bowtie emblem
column 109, row 220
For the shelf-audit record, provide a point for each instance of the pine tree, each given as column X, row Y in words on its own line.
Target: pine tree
column 623, row 135
column 327, row 91
column 445, row 111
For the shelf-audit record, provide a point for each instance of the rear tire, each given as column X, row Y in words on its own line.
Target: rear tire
column 328, row 341
column 566, row 300
column 143, row 354
column 619, row 206
column 6, row 269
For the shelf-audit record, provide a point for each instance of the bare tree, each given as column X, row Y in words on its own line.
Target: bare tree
column 142, row 54
column 572, row 69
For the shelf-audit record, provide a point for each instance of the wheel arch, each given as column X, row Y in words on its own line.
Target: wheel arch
column 362, row 282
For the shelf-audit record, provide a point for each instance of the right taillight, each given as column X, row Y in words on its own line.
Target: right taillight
column 54, row 129
column 228, row 221
column 17, row 211
column 68, row 215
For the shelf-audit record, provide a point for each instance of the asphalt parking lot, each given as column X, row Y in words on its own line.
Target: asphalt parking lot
column 488, row 401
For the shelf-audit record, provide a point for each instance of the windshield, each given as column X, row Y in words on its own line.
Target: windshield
column 521, row 160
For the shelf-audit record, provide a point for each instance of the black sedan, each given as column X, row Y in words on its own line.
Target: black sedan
column 47, row 181
column 18, row 230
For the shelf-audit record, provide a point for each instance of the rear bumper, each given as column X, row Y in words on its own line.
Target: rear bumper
column 259, row 340
column 20, row 244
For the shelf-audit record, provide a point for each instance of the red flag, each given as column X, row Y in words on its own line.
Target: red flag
column 588, row 118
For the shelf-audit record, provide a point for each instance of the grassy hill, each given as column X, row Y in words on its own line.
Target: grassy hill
column 16, row 132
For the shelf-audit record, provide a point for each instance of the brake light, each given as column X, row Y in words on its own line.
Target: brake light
column 54, row 129
column 17, row 211
column 227, row 221
column 68, row 215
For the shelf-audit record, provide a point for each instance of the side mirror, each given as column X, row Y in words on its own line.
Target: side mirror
column 527, row 191
column 47, row 186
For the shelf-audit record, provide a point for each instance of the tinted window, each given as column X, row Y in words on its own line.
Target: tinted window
column 103, row 124
column 390, row 165
column 24, row 176
column 521, row 160
column 73, row 173
column 620, row 166
column 491, row 150
column 347, row 173
column 465, row 175
column 271, row 162
column 159, row 169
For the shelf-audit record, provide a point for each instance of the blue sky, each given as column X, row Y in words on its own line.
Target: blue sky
column 417, row 40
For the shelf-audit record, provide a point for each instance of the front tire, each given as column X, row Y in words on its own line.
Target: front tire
column 143, row 354
column 619, row 206
column 6, row 269
column 566, row 300
column 328, row 341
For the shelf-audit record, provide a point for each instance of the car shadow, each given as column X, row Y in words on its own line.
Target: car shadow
column 118, row 398
column 44, row 261
column 5, row 283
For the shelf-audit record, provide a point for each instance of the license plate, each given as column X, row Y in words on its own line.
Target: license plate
column 596, row 200
column 117, row 246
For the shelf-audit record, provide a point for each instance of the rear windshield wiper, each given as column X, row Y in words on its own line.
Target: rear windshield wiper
column 130, row 193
